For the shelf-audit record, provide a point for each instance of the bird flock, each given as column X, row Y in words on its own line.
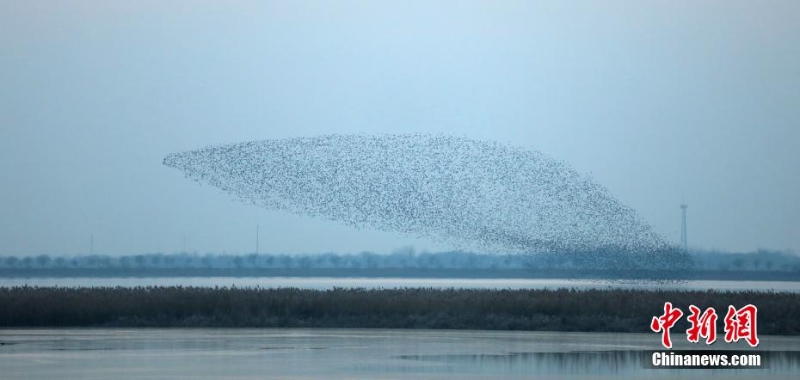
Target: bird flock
column 477, row 194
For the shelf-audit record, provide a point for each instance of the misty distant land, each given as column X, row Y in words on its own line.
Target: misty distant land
column 762, row 265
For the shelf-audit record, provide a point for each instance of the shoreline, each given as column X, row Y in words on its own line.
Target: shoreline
column 397, row 273
column 372, row 283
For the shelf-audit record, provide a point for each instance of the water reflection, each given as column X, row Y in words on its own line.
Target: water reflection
column 615, row 362
column 541, row 362
column 356, row 353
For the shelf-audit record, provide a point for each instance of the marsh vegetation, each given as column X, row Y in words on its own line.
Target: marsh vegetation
column 617, row 310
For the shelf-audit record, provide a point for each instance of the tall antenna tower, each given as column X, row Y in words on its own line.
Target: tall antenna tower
column 684, row 243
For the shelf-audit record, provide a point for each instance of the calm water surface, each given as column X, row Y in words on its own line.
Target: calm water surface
column 331, row 282
column 353, row 353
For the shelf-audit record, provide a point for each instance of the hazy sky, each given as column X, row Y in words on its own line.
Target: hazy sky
column 661, row 101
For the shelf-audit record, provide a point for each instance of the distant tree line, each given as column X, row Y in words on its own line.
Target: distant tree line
column 405, row 258
column 761, row 260
column 401, row 258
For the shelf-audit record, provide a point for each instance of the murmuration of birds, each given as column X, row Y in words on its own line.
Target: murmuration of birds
column 470, row 193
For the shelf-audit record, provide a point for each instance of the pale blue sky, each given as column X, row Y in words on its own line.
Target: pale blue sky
column 661, row 101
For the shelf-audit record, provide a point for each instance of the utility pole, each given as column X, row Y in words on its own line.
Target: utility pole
column 684, row 243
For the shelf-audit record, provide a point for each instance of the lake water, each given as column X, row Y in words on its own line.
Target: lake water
column 355, row 353
column 331, row 282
